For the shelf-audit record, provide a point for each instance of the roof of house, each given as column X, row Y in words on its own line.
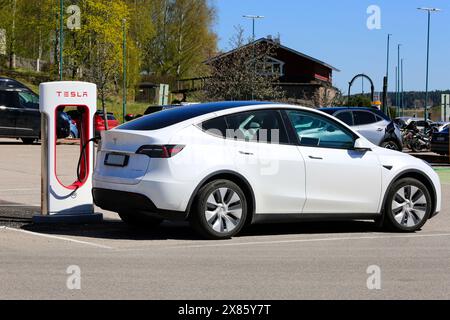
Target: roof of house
column 280, row 46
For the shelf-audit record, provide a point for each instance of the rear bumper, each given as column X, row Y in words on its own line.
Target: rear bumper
column 120, row 201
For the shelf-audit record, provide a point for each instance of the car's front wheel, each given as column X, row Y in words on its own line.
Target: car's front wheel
column 220, row 210
column 408, row 205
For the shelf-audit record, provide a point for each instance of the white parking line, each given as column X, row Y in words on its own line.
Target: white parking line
column 18, row 205
column 20, row 189
column 412, row 236
column 57, row 238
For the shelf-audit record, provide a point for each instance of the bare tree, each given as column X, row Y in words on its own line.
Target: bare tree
column 243, row 74
column 238, row 39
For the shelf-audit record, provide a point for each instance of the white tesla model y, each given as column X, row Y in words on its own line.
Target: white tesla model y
column 225, row 165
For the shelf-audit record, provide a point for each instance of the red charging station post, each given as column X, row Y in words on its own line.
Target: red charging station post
column 72, row 203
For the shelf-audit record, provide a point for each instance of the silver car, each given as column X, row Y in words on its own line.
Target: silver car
column 372, row 123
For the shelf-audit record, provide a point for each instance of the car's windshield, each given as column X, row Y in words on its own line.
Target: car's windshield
column 29, row 100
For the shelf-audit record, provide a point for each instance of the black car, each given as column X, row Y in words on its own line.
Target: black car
column 8, row 83
column 20, row 116
column 439, row 142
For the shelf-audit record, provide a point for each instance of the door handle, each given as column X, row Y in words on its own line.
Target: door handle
column 380, row 129
column 315, row 158
column 246, row 153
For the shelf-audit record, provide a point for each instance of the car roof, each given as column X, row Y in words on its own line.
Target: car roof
column 333, row 110
column 12, row 83
column 172, row 116
column 15, row 89
column 347, row 108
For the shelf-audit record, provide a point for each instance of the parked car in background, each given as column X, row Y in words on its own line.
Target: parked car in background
column 6, row 83
column 372, row 123
column 73, row 130
column 440, row 143
column 20, row 116
column 442, row 125
column 150, row 110
column 99, row 121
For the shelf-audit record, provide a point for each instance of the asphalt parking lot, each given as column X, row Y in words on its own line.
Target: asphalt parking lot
column 290, row 261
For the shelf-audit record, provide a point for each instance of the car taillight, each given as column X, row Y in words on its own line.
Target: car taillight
column 161, row 151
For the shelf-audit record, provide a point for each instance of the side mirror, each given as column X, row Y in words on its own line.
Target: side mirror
column 362, row 145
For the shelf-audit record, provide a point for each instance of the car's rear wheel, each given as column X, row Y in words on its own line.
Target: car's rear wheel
column 408, row 205
column 219, row 211
column 139, row 220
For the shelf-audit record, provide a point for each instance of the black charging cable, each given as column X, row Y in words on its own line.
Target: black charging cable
column 83, row 155
column 83, row 150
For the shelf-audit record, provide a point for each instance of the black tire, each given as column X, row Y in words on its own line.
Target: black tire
column 390, row 213
column 139, row 220
column 28, row 140
column 197, row 217
column 391, row 145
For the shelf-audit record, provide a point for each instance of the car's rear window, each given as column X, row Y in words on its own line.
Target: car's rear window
column 167, row 118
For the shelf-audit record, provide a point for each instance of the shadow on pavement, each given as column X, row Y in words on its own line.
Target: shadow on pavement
column 17, row 216
column 117, row 230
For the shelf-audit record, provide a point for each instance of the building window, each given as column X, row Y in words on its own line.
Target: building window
column 270, row 67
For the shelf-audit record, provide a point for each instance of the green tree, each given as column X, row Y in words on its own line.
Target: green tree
column 97, row 46
column 359, row 101
column 183, row 38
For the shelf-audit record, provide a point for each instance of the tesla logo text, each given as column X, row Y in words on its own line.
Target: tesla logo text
column 72, row 94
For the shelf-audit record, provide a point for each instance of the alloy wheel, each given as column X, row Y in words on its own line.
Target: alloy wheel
column 223, row 210
column 409, row 206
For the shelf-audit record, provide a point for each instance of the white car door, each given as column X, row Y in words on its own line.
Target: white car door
column 338, row 178
column 262, row 153
column 371, row 126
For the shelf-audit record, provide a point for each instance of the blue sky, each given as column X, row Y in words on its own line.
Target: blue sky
column 336, row 32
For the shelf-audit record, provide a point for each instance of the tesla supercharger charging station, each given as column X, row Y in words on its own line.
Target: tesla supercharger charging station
column 59, row 202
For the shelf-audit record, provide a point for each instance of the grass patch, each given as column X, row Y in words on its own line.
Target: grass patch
column 444, row 174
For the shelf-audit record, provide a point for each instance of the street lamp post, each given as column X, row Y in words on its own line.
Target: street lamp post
column 402, row 96
column 386, row 78
column 429, row 11
column 398, row 79
column 253, row 17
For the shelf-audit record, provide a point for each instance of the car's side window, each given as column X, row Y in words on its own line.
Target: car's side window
column 364, row 117
column 314, row 130
column 346, row 117
column 28, row 100
column 216, row 126
column 379, row 119
column 265, row 126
